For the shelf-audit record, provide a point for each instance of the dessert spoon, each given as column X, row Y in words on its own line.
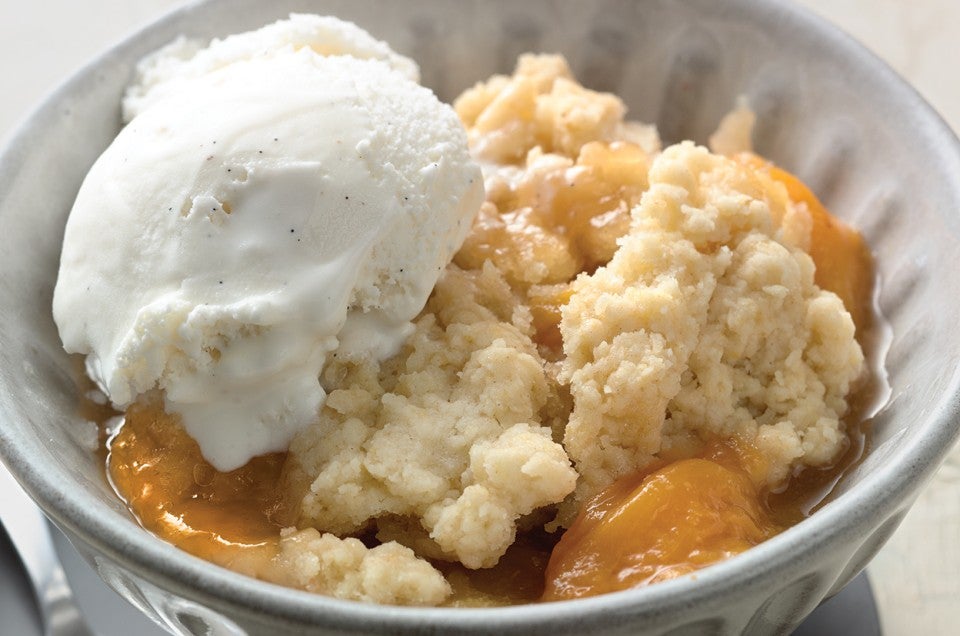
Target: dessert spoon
column 28, row 530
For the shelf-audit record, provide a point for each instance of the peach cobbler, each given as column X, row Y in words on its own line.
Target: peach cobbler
column 640, row 361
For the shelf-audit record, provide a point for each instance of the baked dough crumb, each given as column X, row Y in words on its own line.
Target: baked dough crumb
column 345, row 568
column 704, row 325
column 448, row 433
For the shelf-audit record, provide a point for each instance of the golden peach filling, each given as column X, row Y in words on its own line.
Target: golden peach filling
column 843, row 260
column 663, row 524
column 564, row 221
column 178, row 495
column 567, row 180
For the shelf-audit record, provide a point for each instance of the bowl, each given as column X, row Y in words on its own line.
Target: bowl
column 828, row 110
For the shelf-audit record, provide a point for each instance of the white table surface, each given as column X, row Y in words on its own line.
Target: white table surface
column 916, row 577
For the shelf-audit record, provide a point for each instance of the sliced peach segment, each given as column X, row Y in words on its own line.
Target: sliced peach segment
column 843, row 260
column 661, row 524
column 546, row 302
column 178, row 495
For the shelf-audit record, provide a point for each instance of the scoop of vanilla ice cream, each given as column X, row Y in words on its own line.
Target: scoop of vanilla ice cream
column 164, row 71
column 252, row 221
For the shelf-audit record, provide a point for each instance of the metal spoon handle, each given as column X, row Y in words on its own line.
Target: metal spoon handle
column 28, row 531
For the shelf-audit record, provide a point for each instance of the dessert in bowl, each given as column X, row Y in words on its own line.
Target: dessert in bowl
column 679, row 115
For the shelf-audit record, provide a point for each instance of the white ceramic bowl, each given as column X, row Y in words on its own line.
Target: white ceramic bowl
column 828, row 110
